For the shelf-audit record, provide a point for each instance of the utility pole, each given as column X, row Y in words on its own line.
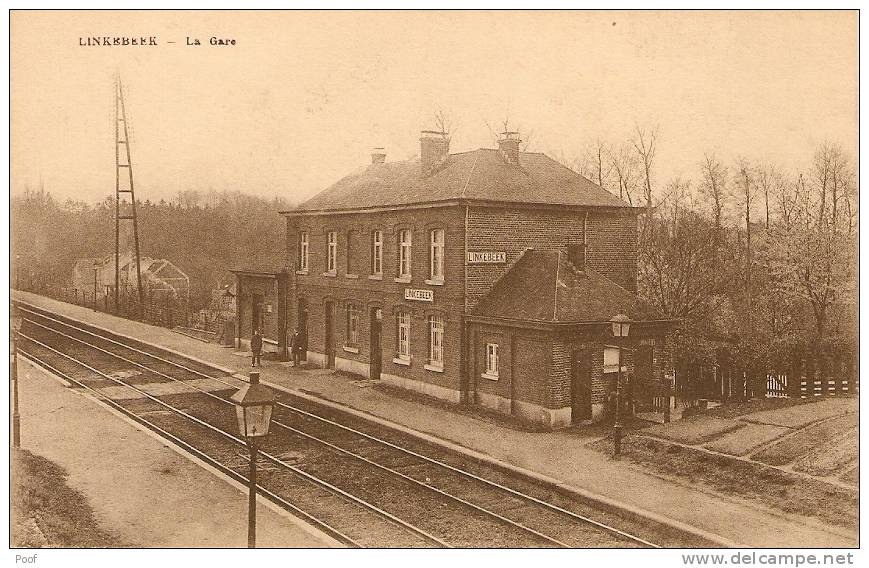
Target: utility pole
column 123, row 161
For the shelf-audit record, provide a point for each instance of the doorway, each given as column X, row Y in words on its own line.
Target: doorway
column 302, row 320
column 330, row 335
column 376, row 344
column 580, row 391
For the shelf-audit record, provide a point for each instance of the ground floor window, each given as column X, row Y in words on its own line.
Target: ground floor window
column 352, row 331
column 404, row 336
column 436, row 341
column 491, row 361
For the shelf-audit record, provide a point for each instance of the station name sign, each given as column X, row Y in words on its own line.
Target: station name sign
column 419, row 295
column 487, row 257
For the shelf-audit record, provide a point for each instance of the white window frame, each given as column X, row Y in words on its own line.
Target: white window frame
column 332, row 252
column 492, row 360
column 436, row 255
column 352, row 325
column 377, row 252
column 304, row 243
column 435, row 343
column 405, row 247
column 403, row 336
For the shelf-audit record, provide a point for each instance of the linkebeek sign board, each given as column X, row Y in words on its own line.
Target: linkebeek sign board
column 419, row 295
column 487, row 257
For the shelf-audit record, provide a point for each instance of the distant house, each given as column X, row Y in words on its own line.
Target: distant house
column 161, row 279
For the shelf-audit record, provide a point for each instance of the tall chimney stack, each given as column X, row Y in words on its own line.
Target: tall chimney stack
column 508, row 144
column 378, row 156
column 434, row 149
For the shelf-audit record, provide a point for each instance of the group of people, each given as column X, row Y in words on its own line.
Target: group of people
column 297, row 346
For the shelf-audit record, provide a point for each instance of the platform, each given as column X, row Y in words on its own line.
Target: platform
column 139, row 488
column 560, row 455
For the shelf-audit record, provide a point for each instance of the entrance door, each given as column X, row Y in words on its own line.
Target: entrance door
column 376, row 347
column 330, row 335
column 580, row 391
column 256, row 312
column 303, row 327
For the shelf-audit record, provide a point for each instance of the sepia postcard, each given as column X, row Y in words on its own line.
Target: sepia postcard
column 405, row 279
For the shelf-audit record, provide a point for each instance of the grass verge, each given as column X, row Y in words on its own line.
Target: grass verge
column 773, row 488
column 46, row 512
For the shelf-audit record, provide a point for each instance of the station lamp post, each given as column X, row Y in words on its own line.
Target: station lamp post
column 16, row 320
column 621, row 325
column 253, row 408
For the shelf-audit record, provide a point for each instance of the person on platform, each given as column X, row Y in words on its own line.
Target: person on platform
column 297, row 345
column 256, row 348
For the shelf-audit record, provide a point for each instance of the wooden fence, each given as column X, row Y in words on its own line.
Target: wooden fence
column 833, row 374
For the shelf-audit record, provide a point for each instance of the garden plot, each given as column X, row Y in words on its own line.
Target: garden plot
column 803, row 442
column 831, row 458
column 742, row 441
column 694, row 430
column 804, row 414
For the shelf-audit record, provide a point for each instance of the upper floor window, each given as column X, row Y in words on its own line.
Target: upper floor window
column 404, row 336
column 377, row 252
column 303, row 251
column 405, row 237
column 352, row 332
column 349, row 257
column 332, row 252
column 436, row 341
column 437, row 254
column 491, row 361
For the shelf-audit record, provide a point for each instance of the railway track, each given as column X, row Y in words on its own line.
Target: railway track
column 413, row 494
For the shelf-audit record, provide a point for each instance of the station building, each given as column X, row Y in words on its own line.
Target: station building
column 485, row 277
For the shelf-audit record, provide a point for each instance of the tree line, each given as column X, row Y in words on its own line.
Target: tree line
column 758, row 263
column 203, row 233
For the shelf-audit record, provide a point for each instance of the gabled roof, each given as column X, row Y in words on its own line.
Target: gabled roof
column 544, row 286
column 479, row 175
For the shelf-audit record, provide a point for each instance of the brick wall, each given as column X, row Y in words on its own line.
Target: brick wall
column 354, row 232
column 612, row 241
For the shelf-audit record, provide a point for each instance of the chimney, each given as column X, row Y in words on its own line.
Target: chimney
column 508, row 144
column 434, row 150
column 576, row 254
column 378, row 156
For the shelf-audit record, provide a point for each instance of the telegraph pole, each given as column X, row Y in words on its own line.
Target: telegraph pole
column 123, row 161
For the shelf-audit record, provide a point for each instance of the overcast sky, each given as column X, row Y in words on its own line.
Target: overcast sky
column 304, row 96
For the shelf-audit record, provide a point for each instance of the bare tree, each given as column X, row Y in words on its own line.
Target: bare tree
column 813, row 250
column 645, row 143
column 594, row 163
column 766, row 179
column 624, row 165
column 747, row 190
column 714, row 187
column 444, row 122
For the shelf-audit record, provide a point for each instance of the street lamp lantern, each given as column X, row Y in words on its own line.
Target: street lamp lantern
column 621, row 325
column 253, row 408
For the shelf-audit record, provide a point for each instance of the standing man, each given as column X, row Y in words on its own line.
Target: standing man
column 256, row 347
column 297, row 346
